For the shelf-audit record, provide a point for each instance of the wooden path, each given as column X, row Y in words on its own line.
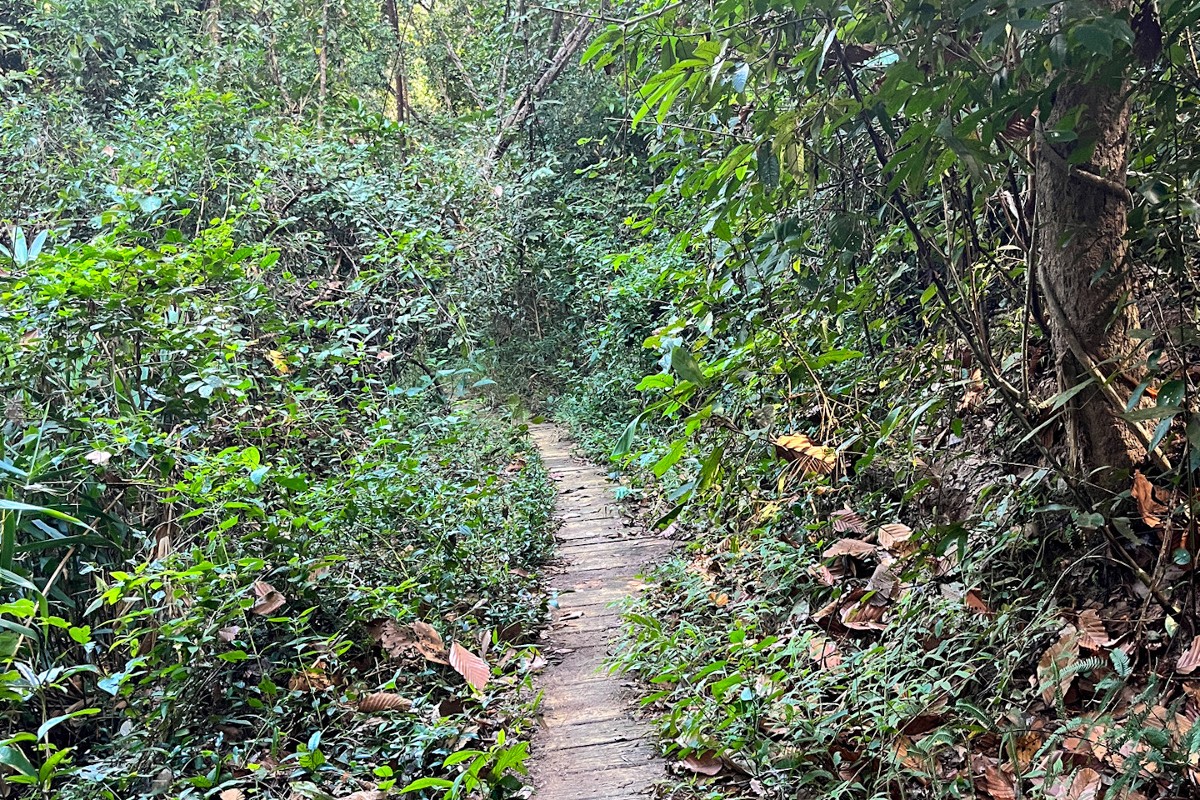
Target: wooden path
column 591, row 747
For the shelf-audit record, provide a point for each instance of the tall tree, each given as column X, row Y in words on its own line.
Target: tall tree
column 1082, row 251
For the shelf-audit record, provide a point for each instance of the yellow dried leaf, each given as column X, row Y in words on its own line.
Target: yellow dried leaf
column 801, row 450
column 279, row 362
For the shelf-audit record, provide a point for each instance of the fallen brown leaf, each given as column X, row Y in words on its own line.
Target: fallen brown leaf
column 429, row 643
column 1190, row 659
column 822, row 575
column 824, row 652
column 855, row 548
column 310, row 680
column 972, row 397
column 1052, row 670
column 1027, row 747
column 398, row 642
column 383, row 701
column 902, row 752
column 232, row 794
column 702, row 764
column 894, row 534
column 847, row 521
column 1087, row 785
column 975, row 602
column 1143, row 492
column 863, row 616
column 1092, row 633
column 269, row 599
column 884, row 582
column 993, row 781
column 473, row 668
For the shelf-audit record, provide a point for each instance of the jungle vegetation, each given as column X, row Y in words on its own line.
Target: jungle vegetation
column 885, row 310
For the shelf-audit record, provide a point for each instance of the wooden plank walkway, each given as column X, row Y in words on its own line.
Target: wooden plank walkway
column 591, row 747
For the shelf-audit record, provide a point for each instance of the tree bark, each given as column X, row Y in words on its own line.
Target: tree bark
column 212, row 20
column 322, row 61
column 523, row 106
column 1084, row 270
column 399, row 80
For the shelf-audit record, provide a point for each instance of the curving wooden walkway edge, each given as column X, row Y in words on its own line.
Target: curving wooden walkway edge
column 590, row 747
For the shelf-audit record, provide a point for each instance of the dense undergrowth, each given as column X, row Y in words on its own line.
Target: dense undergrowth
column 265, row 532
column 898, row 614
column 280, row 278
column 220, row 503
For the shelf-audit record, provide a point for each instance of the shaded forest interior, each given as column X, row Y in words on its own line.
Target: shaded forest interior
column 886, row 314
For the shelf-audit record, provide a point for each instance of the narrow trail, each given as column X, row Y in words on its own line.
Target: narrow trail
column 591, row 747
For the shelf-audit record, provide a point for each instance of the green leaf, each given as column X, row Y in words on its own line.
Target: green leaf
column 461, row 756
column 686, row 366
column 427, row 783
column 768, row 166
column 598, row 44
column 710, row 467
column 54, row 722
column 835, row 357
column 740, row 75
column 20, row 250
column 35, row 249
column 1160, row 431
column 669, row 460
column 14, row 505
column 1171, row 393
column 1064, row 397
column 662, row 380
column 11, row 756
column 625, row 443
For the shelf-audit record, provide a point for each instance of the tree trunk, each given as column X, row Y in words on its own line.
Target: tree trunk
column 1084, row 271
column 212, row 21
column 268, row 25
column 512, row 123
column 399, row 83
column 322, row 61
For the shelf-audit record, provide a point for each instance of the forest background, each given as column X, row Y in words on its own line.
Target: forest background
column 886, row 310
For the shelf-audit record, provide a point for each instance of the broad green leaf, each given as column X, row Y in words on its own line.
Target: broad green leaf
column 14, row 505
column 427, row 783
column 686, row 366
column 670, row 459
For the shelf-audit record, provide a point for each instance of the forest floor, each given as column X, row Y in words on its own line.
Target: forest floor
column 591, row 746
